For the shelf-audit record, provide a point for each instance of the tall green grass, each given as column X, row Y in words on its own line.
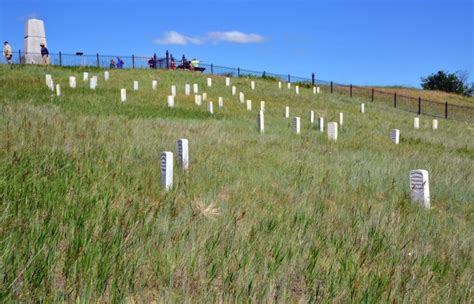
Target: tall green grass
column 272, row 217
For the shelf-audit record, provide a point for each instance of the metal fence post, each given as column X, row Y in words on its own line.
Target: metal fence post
column 372, row 94
column 331, row 87
column 155, row 65
column 167, row 59
column 312, row 78
column 133, row 61
column 19, row 56
column 350, row 90
column 212, row 68
column 419, row 105
column 98, row 61
column 394, row 100
column 60, row 59
column 446, row 110
column 238, row 72
column 289, row 78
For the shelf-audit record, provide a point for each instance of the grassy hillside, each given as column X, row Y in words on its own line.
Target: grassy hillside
column 439, row 96
column 272, row 217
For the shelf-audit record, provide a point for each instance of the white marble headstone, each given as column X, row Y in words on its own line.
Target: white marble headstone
column 234, row 90
column 183, row 153
column 195, row 88
column 48, row 79
column 249, row 105
column 242, row 97
column 220, row 100
column 262, row 106
column 332, row 131
column 314, row 90
column 252, row 85
column 297, row 89
column 198, row 100
column 154, row 85
column 106, row 75
column 362, row 108
column 85, row 76
column 289, row 85
column 435, row 124
column 321, row 124
column 171, row 101
column 51, row 84
column 395, row 136
column 420, row 187
column 317, row 90
column 279, row 84
column 296, row 125
column 204, row 96
column 72, row 82
column 173, row 90
column 167, row 170
column 287, row 112
column 311, row 117
column 210, row 107
column 416, row 123
column 135, row 85
column 58, row 90
column 341, row 118
column 260, row 122
column 93, row 83
column 209, row 82
column 187, row 89
column 123, row 95
column 227, row 81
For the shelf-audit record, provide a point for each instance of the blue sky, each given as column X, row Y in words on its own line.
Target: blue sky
column 385, row 42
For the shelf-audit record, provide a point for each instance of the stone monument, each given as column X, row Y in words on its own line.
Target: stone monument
column 34, row 36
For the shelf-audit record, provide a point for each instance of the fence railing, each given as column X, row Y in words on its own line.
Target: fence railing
column 412, row 104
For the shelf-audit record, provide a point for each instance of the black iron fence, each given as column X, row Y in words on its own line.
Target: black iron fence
column 412, row 104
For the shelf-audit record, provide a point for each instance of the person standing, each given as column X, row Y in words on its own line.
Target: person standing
column 120, row 63
column 7, row 52
column 44, row 54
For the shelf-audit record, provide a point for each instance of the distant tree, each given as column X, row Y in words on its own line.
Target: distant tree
column 449, row 82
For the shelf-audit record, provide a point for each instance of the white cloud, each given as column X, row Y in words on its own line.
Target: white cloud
column 234, row 37
column 176, row 38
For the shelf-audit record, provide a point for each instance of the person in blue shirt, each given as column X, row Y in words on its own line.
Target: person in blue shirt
column 44, row 54
column 120, row 63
